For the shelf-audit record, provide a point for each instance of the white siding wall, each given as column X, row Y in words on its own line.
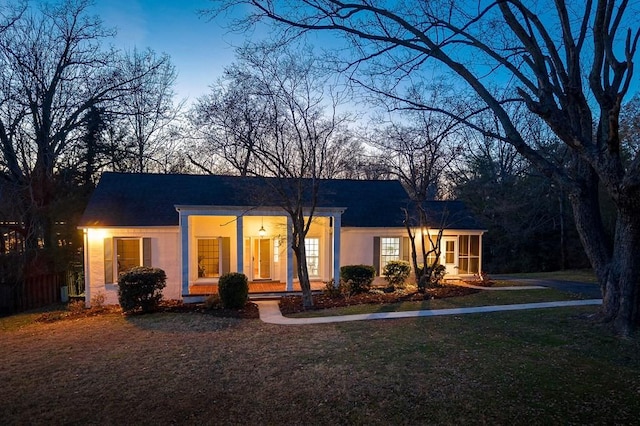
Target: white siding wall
column 357, row 243
column 164, row 255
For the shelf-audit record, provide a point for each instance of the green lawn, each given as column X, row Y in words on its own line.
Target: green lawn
column 549, row 366
column 482, row 298
column 17, row 321
column 579, row 275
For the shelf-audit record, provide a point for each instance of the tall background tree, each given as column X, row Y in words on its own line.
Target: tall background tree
column 58, row 86
column 570, row 64
column 271, row 117
column 146, row 113
column 528, row 219
column 417, row 147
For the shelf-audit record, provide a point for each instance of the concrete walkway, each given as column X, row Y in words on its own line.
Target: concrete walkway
column 270, row 312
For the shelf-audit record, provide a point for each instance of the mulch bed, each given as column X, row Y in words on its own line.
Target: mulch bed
column 480, row 283
column 288, row 304
column 293, row 304
column 250, row 310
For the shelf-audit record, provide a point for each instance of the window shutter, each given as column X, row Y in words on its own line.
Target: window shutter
column 406, row 249
column 226, row 255
column 146, row 252
column 295, row 266
column 108, row 260
column 376, row 254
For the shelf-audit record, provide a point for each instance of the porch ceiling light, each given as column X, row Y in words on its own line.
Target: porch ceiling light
column 262, row 232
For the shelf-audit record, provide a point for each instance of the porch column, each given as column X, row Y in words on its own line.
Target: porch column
column 184, row 247
column 289, row 256
column 239, row 244
column 87, row 266
column 337, row 219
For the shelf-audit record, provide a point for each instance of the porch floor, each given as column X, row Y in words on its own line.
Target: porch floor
column 254, row 287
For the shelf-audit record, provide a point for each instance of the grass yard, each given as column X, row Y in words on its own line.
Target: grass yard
column 482, row 298
column 529, row 367
column 578, row 275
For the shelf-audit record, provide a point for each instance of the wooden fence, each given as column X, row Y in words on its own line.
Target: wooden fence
column 38, row 291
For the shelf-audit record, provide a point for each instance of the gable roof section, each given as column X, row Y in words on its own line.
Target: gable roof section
column 130, row 199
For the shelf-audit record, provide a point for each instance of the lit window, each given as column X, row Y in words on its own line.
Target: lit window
column 469, row 254
column 312, row 248
column 123, row 254
column 389, row 251
column 208, row 257
column 128, row 254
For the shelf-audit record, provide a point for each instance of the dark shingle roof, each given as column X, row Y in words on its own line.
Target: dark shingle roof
column 127, row 199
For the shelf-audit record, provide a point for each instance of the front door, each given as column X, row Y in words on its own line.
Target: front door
column 450, row 254
column 261, row 259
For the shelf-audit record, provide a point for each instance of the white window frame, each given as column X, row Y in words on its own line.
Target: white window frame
column 197, row 268
column 116, row 266
column 386, row 255
column 316, row 256
column 466, row 256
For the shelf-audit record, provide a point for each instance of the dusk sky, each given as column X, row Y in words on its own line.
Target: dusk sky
column 199, row 48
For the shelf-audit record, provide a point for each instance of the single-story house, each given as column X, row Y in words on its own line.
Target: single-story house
column 197, row 227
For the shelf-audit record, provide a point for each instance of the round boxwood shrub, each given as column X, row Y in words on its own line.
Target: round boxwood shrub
column 140, row 288
column 233, row 288
column 396, row 273
column 359, row 277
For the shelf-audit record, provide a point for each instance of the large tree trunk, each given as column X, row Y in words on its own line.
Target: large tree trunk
column 616, row 266
column 621, row 289
column 299, row 251
column 303, row 277
column 585, row 204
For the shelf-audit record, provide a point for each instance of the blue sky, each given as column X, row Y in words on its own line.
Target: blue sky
column 199, row 48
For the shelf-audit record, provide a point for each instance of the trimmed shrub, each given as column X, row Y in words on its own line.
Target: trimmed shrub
column 330, row 290
column 432, row 278
column 359, row 277
column 140, row 288
column 396, row 273
column 233, row 288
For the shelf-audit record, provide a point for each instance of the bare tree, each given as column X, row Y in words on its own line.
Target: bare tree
column 146, row 112
column 417, row 147
column 53, row 71
column 630, row 128
column 571, row 65
column 269, row 120
column 230, row 121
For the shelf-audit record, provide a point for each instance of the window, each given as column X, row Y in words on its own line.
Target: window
column 122, row 254
column 389, row 250
column 469, row 254
column 312, row 248
column 386, row 249
column 450, row 252
column 127, row 254
column 208, row 257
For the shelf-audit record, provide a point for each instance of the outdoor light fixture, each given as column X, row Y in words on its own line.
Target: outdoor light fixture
column 262, row 232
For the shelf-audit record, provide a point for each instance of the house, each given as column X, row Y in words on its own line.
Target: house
column 198, row 227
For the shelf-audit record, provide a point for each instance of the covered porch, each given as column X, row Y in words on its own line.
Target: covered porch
column 254, row 241
column 257, row 287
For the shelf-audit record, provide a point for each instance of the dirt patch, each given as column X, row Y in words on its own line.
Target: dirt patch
column 293, row 304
